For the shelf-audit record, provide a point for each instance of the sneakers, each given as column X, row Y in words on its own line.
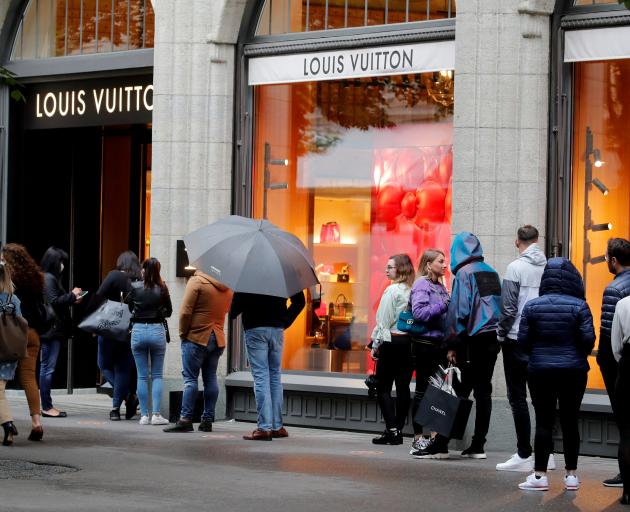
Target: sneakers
column 571, row 483
column 180, row 426
column 205, row 426
column 158, row 419
column 517, row 463
column 144, row 420
column 389, row 436
column 472, row 452
column 615, row 481
column 419, row 444
column 432, row 451
column 534, row 483
column 114, row 415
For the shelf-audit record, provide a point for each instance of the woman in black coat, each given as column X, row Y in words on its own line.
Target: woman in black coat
column 52, row 264
column 556, row 330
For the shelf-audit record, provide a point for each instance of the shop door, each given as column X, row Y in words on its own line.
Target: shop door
column 85, row 191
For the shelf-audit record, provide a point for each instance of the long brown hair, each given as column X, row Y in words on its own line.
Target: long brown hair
column 27, row 276
column 6, row 285
column 428, row 257
column 404, row 269
column 152, row 267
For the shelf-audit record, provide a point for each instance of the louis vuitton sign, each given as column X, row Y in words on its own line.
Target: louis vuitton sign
column 109, row 101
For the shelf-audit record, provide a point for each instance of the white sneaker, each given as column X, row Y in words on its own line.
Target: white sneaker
column 532, row 483
column 419, row 444
column 517, row 463
column 571, row 483
column 551, row 464
column 144, row 420
column 158, row 419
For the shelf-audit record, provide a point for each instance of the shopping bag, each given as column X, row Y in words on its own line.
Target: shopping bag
column 111, row 320
column 13, row 333
column 443, row 412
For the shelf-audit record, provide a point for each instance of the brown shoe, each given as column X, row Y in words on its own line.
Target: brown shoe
column 258, row 435
column 281, row 432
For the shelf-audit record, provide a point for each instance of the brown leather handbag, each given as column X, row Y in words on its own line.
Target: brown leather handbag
column 13, row 333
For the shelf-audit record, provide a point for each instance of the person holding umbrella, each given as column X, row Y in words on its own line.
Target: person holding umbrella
column 264, row 265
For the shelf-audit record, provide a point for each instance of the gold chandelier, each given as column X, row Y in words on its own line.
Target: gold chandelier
column 440, row 87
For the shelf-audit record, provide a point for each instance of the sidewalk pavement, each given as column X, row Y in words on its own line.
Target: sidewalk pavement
column 87, row 463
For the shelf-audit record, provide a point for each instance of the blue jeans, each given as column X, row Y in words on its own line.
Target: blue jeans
column 49, row 354
column 114, row 359
column 196, row 357
column 264, row 352
column 148, row 344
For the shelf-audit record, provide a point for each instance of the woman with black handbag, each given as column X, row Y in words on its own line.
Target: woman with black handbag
column 29, row 286
column 150, row 305
column 429, row 302
column 7, row 368
column 52, row 264
column 392, row 348
column 114, row 358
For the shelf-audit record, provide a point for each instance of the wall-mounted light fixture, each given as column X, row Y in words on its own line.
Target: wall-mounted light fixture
column 600, row 186
column 606, row 226
column 597, row 159
column 267, row 176
column 183, row 268
column 598, row 259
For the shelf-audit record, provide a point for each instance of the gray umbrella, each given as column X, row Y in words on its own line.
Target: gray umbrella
column 252, row 256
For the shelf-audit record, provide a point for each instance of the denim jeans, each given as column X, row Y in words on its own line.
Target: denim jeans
column 197, row 358
column 148, row 344
column 49, row 354
column 515, row 366
column 114, row 359
column 264, row 353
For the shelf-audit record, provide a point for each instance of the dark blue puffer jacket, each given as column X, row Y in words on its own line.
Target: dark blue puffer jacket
column 614, row 292
column 556, row 328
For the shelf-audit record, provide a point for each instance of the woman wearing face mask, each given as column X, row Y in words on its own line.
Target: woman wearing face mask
column 392, row 348
column 429, row 303
column 52, row 264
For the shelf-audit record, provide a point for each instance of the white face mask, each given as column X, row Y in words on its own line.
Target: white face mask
column 61, row 267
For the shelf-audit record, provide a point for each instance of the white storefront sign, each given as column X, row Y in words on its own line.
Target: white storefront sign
column 335, row 65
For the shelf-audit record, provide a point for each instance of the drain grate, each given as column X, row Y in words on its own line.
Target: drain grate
column 27, row 470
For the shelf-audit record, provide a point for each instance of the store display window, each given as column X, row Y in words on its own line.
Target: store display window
column 600, row 179
column 359, row 170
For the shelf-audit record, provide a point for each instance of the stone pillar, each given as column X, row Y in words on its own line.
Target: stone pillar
column 192, row 138
column 501, row 135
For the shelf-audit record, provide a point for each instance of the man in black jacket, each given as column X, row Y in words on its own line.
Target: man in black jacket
column 618, row 259
column 264, row 319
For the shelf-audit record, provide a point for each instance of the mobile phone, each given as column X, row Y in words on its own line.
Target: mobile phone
column 83, row 293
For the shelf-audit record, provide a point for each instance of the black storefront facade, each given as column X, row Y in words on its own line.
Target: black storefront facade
column 76, row 171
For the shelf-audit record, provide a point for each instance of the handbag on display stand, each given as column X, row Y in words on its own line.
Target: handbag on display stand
column 330, row 233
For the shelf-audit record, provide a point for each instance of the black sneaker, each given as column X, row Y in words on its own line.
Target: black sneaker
column 472, row 452
column 391, row 437
column 432, row 451
column 615, row 481
column 114, row 415
column 205, row 426
column 181, row 426
column 131, row 406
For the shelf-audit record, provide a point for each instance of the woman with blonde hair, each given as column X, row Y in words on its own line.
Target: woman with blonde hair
column 392, row 348
column 7, row 368
column 429, row 303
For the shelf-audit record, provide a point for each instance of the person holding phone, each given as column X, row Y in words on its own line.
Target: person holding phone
column 52, row 264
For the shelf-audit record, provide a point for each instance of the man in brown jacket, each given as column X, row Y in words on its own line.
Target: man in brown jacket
column 201, row 321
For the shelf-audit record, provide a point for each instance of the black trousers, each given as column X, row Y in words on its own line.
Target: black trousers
column 515, row 367
column 608, row 366
column 427, row 357
column 564, row 389
column 622, row 415
column 476, row 359
column 394, row 366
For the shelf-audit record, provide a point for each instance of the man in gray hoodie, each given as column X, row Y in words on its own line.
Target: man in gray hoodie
column 520, row 284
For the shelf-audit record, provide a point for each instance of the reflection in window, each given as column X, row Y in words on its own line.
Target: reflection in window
column 358, row 169
column 57, row 28
column 284, row 16
column 600, row 183
column 595, row 2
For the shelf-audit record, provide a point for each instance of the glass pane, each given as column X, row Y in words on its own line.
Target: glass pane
column 316, row 15
column 104, row 26
column 29, row 27
column 16, row 51
column 60, row 28
column 136, row 21
column 356, row 13
column 418, row 10
column 397, row 11
column 368, row 176
column 74, row 27
column 89, row 27
column 376, row 12
column 600, row 179
column 121, row 36
column 439, row 9
column 47, row 29
column 149, row 26
column 336, row 14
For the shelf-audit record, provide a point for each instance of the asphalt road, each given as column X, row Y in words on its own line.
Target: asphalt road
column 101, row 465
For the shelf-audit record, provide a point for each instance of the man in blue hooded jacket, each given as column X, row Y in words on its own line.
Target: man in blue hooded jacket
column 472, row 320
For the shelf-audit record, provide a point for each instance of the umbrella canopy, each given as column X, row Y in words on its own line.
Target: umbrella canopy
column 252, row 256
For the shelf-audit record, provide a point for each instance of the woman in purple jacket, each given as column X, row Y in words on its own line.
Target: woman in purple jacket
column 429, row 303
